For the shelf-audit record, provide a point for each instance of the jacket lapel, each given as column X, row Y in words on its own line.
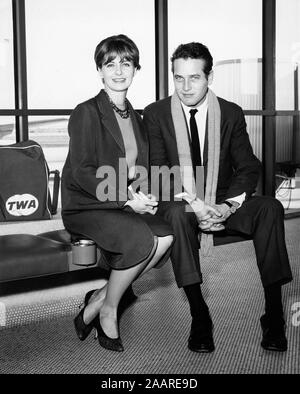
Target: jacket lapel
column 141, row 139
column 173, row 149
column 205, row 149
column 109, row 120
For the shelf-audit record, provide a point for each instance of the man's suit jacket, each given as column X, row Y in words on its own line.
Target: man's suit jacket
column 96, row 141
column 239, row 168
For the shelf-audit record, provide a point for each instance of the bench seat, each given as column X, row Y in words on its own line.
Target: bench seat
column 27, row 256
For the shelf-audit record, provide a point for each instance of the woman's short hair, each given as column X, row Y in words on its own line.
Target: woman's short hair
column 193, row 50
column 112, row 46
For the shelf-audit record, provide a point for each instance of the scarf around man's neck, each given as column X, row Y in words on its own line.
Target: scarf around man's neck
column 184, row 152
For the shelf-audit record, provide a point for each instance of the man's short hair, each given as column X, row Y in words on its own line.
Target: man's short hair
column 112, row 46
column 193, row 50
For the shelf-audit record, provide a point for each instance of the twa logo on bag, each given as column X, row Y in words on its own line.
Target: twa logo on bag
column 24, row 183
column 22, row 205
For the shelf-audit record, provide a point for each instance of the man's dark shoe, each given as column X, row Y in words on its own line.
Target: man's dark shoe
column 201, row 336
column 273, row 334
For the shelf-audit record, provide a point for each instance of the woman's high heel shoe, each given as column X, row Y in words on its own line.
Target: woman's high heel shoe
column 88, row 296
column 83, row 329
column 114, row 344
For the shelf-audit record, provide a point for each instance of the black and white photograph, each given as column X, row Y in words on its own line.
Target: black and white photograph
column 149, row 191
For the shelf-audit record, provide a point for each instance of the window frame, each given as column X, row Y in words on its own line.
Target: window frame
column 268, row 111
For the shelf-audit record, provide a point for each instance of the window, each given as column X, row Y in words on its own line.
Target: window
column 51, row 133
column 237, row 62
column 7, row 130
column 254, row 129
column 287, row 54
column 287, row 98
column 287, row 166
column 61, row 38
column 6, row 56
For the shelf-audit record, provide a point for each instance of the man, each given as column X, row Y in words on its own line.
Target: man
column 195, row 128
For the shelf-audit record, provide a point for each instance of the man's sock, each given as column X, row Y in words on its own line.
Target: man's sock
column 198, row 307
column 273, row 306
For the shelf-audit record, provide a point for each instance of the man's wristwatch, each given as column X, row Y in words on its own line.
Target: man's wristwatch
column 233, row 205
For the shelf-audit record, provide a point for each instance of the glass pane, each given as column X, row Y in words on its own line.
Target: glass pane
column 52, row 134
column 7, row 130
column 286, row 132
column 288, row 161
column 287, row 54
column 6, row 56
column 217, row 24
column 61, row 39
column 239, row 81
column 254, row 128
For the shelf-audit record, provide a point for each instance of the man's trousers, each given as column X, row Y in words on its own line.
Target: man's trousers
column 262, row 218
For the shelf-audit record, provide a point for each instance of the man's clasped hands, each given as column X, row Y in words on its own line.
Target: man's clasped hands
column 210, row 217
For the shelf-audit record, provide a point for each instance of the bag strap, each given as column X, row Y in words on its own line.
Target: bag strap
column 54, row 199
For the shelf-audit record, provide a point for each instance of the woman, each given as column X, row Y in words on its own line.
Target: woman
column 105, row 132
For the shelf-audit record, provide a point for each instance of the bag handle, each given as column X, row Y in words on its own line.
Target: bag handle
column 56, row 183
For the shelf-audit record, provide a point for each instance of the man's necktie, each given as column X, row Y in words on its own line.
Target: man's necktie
column 195, row 148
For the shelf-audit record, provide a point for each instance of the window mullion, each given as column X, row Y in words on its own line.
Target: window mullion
column 20, row 69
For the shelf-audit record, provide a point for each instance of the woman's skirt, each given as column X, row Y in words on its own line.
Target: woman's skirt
column 124, row 237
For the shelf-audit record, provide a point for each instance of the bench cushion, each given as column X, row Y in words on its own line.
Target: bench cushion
column 62, row 236
column 27, row 256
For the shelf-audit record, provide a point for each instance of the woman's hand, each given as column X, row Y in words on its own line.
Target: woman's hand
column 143, row 204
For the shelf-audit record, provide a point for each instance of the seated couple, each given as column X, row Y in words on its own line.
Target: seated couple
column 136, row 231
